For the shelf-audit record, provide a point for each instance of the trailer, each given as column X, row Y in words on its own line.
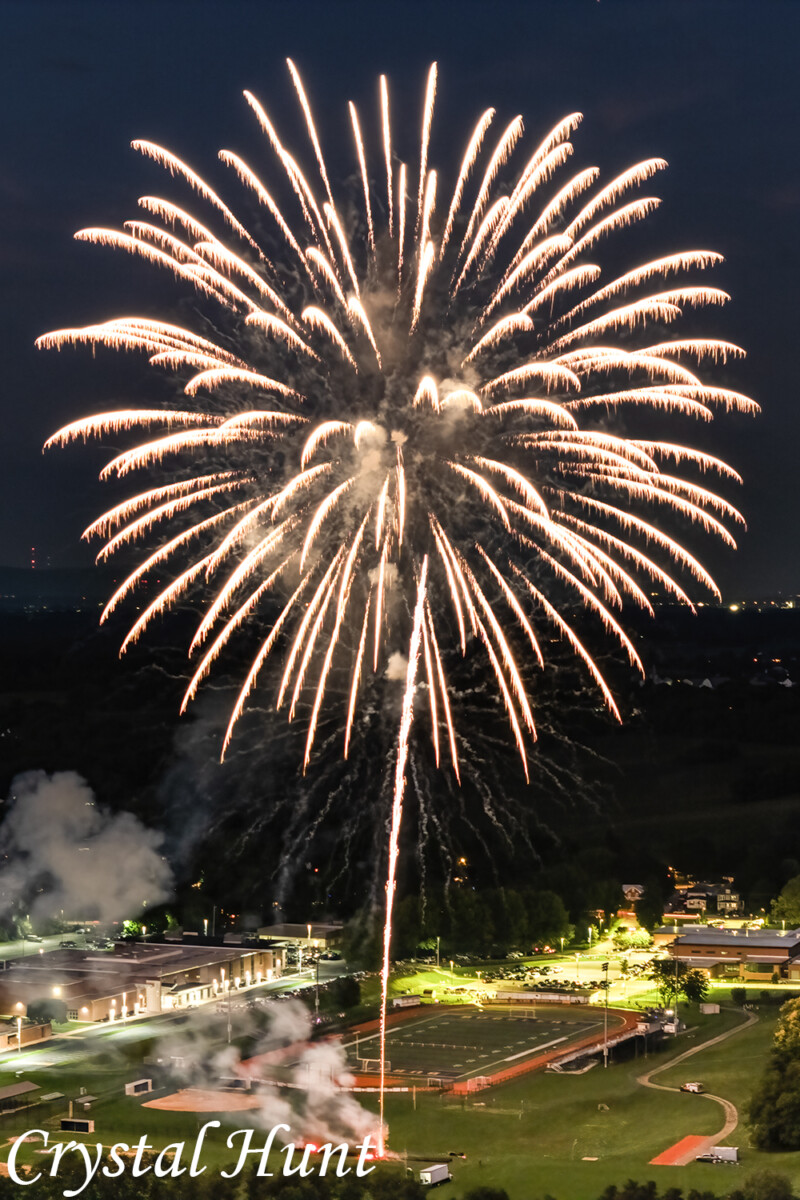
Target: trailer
column 438, row 1173
column 719, row 1154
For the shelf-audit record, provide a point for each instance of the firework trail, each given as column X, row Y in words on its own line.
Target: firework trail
column 424, row 372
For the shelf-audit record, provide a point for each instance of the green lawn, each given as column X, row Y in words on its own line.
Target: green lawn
column 532, row 1135
column 564, row 1135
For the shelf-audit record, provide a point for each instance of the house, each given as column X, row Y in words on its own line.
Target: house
column 717, row 898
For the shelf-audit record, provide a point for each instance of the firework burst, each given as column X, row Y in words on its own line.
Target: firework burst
column 402, row 424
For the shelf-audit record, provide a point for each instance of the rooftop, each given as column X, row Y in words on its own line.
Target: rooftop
column 319, row 929
column 102, row 974
column 707, row 935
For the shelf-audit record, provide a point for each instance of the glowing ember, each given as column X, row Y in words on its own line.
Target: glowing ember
column 408, row 407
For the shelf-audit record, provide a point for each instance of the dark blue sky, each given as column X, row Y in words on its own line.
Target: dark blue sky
column 708, row 84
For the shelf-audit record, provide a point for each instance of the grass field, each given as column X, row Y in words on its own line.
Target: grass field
column 457, row 1044
column 570, row 1136
column 565, row 1135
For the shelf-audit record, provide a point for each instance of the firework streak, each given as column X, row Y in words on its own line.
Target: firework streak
column 418, row 372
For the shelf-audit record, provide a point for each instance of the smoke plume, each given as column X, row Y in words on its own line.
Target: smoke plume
column 309, row 1099
column 66, row 853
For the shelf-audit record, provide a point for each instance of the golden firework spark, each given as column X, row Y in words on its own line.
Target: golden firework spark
column 404, row 431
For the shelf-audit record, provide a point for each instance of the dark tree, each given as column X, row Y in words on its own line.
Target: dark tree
column 694, row 986
column 548, row 919
column 346, row 991
column 48, row 1009
column 775, row 1106
column 486, row 1193
column 764, row 1185
column 787, row 906
column 650, row 909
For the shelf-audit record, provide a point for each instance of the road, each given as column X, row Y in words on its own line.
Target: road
column 24, row 947
column 728, row 1108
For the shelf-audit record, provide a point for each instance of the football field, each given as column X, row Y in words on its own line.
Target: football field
column 451, row 1044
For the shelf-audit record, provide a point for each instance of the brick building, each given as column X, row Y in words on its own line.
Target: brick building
column 136, row 978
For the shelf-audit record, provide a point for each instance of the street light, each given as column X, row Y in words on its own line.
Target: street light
column 19, row 1035
column 437, row 953
column 677, row 995
column 605, row 1019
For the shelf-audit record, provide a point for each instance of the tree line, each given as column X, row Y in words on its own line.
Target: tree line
column 467, row 920
column 380, row 1185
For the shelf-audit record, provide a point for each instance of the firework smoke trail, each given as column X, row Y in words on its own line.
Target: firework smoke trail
column 439, row 390
column 397, row 817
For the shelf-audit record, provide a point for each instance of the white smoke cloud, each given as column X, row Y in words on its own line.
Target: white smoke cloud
column 397, row 667
column 310, row 1100
column 65, row 852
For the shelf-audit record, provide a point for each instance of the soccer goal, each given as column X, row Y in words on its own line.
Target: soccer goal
column 372, row 1066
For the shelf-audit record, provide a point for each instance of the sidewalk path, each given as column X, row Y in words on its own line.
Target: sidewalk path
column 729, row 1109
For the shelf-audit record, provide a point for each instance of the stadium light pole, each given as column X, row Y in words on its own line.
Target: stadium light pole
column 605, row 1019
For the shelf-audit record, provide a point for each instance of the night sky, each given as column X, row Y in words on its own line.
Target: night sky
column 710, row 85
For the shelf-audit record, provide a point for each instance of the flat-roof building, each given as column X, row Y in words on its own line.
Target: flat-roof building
column 317, row 935
column 136, row 978
column 747, row 954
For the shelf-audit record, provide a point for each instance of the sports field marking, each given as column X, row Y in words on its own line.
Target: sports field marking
column 427, row 1040
column 583, row 1029
column 533, row 1049
column 370, row 1037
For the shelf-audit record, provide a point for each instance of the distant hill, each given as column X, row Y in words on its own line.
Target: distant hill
column 54, row 589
